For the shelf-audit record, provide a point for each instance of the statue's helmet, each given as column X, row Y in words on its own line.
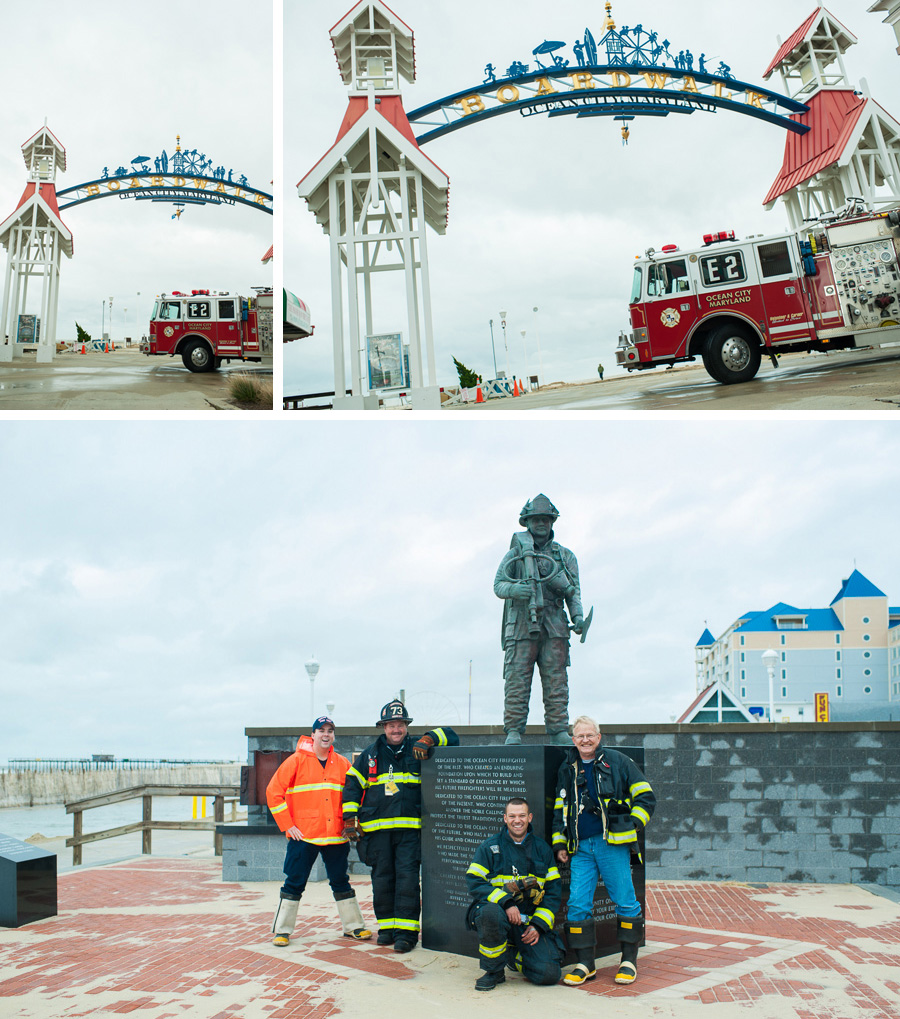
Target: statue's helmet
column 539, row 506
column 394, row 711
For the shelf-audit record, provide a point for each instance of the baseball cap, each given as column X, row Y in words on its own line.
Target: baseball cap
column 323, row 720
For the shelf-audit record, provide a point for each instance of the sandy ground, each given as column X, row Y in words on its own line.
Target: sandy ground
column 123, row 379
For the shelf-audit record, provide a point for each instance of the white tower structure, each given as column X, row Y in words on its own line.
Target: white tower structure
column 36, row 238
column 891, row 10
column 853, row 148
column 373, row 193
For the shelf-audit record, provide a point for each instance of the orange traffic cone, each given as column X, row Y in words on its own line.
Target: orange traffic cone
column 105, row 348
column 479, row 396
column 112, row 345
column 515, row 387
column 83, row 351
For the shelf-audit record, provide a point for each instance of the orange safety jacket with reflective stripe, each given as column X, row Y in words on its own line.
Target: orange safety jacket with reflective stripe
column 305, row 795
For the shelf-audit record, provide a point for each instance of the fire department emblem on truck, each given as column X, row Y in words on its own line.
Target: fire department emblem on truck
column 670, row 317
column 169, row 331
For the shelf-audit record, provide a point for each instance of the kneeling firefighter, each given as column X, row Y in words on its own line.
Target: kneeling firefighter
column 304, row 797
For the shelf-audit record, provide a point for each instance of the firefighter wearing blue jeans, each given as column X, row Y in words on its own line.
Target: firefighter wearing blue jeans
column 517, row 891
column 602, row 801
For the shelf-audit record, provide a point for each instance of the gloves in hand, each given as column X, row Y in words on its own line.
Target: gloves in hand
column 526, row 887
column 423, row 748
column 351, row 829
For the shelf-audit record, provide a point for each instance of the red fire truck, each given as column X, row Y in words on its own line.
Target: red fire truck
column 207, row 327
column 833, row 285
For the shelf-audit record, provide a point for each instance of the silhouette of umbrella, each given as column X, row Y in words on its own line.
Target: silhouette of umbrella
column 141, row 159
column 547, row 47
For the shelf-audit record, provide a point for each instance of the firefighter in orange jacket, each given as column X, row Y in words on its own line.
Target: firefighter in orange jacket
column 304, row 797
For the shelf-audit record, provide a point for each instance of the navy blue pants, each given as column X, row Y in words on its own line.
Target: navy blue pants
column 298, row 864
column 500, row 942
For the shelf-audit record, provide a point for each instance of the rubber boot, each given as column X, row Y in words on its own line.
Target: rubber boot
column 560, row 739
column 488, row 981
column 513, row 738
column 631, row 933
column 351, row 918
column 582, row 940
column 285, row 920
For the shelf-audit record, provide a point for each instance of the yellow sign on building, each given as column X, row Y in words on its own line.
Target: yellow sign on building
column 821, row 707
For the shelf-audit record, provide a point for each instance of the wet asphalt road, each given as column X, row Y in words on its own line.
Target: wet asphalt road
column 120, row 380
column 852, row 380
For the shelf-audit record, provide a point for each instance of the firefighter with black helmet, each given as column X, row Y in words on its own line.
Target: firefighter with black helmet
column 538, row 581
column 382, row 807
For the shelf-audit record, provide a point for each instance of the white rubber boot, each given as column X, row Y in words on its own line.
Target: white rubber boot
column 285, row 921
column 351, row 918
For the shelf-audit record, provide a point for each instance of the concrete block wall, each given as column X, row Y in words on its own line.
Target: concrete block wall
column 805, row 803
column 815, row 802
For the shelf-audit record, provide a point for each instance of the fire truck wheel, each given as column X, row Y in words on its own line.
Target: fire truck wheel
column 198, row 357
column 731, row 355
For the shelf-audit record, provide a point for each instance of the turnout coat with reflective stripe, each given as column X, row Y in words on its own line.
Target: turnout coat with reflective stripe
column 624, row 794
column 381, row 768
column 499, row 859
column 305, row 795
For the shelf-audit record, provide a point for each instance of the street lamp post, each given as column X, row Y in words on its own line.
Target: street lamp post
column 110, row 318
column 769, row 658
column 493, row 350
column 505, row 344
column 312, row 670
column 540, row 354
column 525, row 351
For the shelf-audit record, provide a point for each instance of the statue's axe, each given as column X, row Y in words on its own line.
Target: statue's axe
column 586, row 625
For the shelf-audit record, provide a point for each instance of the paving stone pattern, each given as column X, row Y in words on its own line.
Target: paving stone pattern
column 166, row 938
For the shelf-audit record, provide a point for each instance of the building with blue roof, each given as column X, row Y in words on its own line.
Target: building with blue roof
column 842, row 661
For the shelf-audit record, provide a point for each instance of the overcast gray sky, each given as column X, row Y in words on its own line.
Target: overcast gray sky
column 122, row 81
column 551, row 212
column 162, row 583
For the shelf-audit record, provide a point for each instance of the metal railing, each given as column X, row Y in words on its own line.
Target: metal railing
column 299, row 402
column 100, row 762
column 147, row 825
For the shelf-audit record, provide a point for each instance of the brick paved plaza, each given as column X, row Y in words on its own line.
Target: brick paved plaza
column 165, row 938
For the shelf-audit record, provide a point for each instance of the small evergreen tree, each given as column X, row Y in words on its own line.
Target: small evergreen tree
column 467, row 378
column 83, row 337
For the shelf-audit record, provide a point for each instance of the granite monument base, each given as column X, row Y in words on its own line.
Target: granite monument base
column 27, row 883
column 464, row 790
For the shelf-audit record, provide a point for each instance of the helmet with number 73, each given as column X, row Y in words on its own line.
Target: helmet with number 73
column 393, row 711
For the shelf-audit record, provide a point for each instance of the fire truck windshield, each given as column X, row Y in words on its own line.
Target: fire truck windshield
column 170, row 311
column 668, row 278
column 636, row 286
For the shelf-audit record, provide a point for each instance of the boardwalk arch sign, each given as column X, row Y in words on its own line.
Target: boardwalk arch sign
column 36, row 237
column 631, row 72
column 187, row 177
column 375, row 189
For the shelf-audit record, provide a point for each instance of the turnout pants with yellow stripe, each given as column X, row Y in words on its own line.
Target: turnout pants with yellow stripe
column 500, row 941
column 394, row 855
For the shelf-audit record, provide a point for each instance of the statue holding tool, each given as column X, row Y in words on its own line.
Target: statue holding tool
column 538, row 582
